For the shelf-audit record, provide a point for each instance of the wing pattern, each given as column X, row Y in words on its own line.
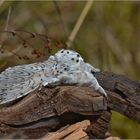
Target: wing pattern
column 18, row 81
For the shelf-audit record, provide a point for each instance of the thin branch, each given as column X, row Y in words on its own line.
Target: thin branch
column 79, row 23
column 8, row 53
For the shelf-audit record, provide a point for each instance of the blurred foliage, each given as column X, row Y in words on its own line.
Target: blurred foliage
column 124, row 127
column 108, row 38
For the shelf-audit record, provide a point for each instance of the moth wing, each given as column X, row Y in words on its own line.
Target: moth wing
column 18, row 81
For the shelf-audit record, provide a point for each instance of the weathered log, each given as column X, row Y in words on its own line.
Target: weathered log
column 47, row 103
column 123, row 94
column 52, row 108
column 99, row 126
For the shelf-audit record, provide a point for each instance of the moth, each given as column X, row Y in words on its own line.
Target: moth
column 64, row 67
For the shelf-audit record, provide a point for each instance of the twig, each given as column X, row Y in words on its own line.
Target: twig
column 8, row 53
column 79, row 23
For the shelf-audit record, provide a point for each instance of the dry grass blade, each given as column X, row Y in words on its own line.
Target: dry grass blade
column 8, row 18
column 79, row 23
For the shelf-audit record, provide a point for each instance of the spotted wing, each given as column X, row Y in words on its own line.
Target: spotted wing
column 18, row 81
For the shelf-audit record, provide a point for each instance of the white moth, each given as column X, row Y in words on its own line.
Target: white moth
column 65, row 67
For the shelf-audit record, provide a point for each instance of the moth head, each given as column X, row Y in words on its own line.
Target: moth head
column 68, row 56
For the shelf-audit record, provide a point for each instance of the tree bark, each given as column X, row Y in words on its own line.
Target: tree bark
column 123, row 94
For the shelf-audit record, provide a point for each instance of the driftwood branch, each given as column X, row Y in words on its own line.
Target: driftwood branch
column 123, row 94
column 45, row 111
